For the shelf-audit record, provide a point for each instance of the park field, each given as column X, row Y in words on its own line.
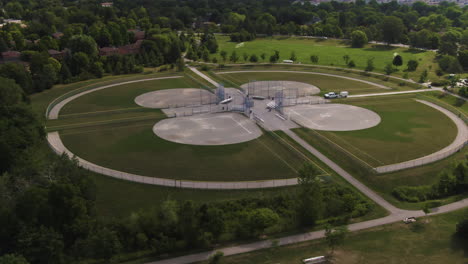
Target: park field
column 121, row 97
column 430, row 241
column 134, row 148
column 330, row 53
column 407, row 131
column 324, row 83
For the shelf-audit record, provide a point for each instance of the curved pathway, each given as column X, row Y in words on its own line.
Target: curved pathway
column 57, row 145
column 54, row 112
column 460, row 141
column 316, row 73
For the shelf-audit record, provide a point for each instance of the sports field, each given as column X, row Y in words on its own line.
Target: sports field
column 121, row 97
column 431, row 242
column 408, row 130
column 324, row 83
column 134, row 148
column 330, row 53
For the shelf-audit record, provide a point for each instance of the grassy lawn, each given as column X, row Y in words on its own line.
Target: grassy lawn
column 331, row 52
column 41, row 100
column 432, row 243
column 134, row 148
column 120, row 97
column 324, row 83
column 449, row 101
column 408, row 130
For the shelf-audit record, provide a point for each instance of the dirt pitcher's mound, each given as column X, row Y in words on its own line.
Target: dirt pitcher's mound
column 333, row 117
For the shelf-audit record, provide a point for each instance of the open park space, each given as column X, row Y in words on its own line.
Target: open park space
column 407, row 130
column 330, row 52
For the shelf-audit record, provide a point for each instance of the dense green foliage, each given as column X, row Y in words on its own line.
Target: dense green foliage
column 451, row 181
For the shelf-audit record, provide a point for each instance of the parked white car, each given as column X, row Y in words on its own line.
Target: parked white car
column 409, row 220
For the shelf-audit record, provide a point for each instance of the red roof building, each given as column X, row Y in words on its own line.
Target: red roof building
column 11, row 55
column 108, row 51
column 56, row 54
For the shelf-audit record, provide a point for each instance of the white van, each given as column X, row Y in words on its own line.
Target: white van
column 344, row 94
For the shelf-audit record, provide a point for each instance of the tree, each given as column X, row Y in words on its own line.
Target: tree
column 41, row 245
column 216, row 258
column 462, row 229
column 351, row 64
column 423, row 76
column 314, row 58
column 84, row 44
column 12, row 259
column 293, row 56
column 223, row 54
column 397, row 60
column 310, row 203
column 263, row 55
column 245, row 56
column 346, row 59
column 389, row 69
column 358, row 39
column 260, row 219
column 370, row 65
column 448, row 43
column 234, row 57
column 392, row 29
column 412, row 65
column 253, row 58
column 335, row 236
column 450, row 64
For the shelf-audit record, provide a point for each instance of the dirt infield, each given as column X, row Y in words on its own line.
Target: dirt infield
column 269, row 88
column 208, row 129
column 175, row 98
column 333, row 117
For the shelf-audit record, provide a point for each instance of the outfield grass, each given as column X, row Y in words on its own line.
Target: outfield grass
column 331, row 52
column 41, row 100
column 324, row 83
column 408, row 130
column 120, row 97
column 431, row 242
column 134, row 148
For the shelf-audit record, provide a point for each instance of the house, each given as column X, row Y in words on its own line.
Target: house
column 11, row 55
column 131, row 48
column 107, row 4
column 138, row 34
column 57, row 35
column 108, row 51
column 58, row 55
column 13, row 21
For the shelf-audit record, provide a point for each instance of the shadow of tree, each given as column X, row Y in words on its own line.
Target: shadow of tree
column 458, row 243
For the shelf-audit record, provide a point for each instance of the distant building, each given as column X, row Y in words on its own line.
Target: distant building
column 122, row 50
column 57, row 35
column 56, row 54
column 13, row 21
column 107, row 4
column 139, row 34
column 11, row 55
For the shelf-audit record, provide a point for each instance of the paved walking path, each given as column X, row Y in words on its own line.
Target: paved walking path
column 199, row 73
column 54, row 112
column 53, row 138
column 316, row 73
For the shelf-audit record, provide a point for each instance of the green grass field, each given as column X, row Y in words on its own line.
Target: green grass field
column 324, row 83
column 134, row 148
column 431, row 242
column 408, row 130
column 331, row 53
column 121, row 97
